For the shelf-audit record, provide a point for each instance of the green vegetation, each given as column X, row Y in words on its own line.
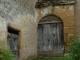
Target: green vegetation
column 74, row 49
column 5, row 54
column 40, row 58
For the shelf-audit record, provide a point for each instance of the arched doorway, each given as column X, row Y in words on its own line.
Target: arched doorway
column 50, row 37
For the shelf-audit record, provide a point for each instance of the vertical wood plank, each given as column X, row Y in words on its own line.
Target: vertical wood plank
column 50, row 38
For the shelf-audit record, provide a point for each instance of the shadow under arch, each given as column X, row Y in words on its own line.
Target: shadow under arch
column 50, row 18
column 50, row 36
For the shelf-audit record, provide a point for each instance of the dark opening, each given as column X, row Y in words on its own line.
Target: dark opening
column 13, row 41
column 11, row 30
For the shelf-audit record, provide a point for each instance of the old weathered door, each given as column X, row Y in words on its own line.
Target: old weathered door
column 50, row 39
column 13, row 42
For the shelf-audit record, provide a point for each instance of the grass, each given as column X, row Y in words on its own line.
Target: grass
column 40, row 58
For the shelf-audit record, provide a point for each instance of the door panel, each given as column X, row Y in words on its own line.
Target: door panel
column 50, row 41
column 13, row 44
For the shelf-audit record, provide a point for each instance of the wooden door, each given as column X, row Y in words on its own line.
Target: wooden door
column 13, row 43
column 50, row 39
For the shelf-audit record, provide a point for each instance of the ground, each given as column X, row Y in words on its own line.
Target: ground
column 39, row 58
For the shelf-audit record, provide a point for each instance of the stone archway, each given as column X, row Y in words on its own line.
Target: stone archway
column 50, row 37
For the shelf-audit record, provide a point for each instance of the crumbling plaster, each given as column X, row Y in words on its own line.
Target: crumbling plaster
column 66, row 13
column 23, row 16
column 19, row 14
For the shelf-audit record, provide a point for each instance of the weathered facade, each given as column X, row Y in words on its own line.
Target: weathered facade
column 24, row 17
column 76, row 16
column 20, row 16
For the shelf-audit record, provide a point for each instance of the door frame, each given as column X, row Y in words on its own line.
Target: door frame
column 19, row 38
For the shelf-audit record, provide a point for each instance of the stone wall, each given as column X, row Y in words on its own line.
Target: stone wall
column 23, row 16
column 66, row 13
column 77, row 15
column 20, row 15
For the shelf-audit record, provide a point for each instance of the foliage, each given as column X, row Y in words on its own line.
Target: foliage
column 41, row 58
column 74, row 48
column 5, row 54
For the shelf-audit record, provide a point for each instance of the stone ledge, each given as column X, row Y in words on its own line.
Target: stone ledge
column 53, row 3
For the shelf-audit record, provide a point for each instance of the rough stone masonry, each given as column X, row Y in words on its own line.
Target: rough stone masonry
column 22, row 15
